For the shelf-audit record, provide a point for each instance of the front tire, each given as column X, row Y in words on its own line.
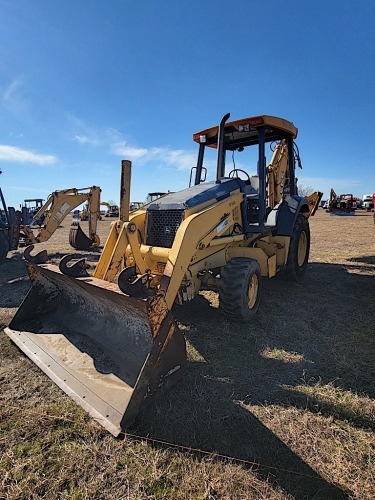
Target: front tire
column 239, row 292
column 299, row 249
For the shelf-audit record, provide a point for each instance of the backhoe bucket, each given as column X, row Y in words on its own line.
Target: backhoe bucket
column 111, row 353
column 78, row 239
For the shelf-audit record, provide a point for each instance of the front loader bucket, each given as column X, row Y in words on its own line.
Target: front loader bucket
column 111, row 353
column 344, row 212
column 78, row 239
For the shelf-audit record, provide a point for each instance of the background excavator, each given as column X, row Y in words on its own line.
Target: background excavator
column 85, row 212
column 109, row 340
column 17, row 230
column 58, row 205
column 343, row 204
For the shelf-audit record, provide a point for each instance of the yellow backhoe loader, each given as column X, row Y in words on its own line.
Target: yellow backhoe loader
column 109, row 340
column 58, row 205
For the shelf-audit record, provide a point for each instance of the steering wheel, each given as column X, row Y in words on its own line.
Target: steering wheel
column 234, row 173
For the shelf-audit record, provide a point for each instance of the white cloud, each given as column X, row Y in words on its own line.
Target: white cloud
column 182, row 160
column 12, row 89
column 117, row 144
column 14, row 96
column 128, row 152
column 84, row 139
column 14, row 154
column 83, row 133
column 177, row 158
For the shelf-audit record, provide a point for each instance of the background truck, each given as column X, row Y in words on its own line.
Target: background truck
column 367, row 202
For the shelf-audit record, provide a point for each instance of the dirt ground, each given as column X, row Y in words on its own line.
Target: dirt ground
column 281, row 408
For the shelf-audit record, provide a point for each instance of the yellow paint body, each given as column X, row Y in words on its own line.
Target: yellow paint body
column 203, row 241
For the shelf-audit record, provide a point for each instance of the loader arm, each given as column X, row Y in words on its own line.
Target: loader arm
column 196, row 233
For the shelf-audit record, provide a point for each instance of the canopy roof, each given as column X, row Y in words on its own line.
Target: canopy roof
column 244, row 132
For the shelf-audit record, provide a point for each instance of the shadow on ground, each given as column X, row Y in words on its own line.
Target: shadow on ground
column 323, row 328
column 323, row 321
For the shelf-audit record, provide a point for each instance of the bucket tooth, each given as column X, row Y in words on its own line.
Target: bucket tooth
column 110, row 353
column 76, row 270
column 39, row 258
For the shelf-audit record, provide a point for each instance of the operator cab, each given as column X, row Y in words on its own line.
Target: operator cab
column 236, row 136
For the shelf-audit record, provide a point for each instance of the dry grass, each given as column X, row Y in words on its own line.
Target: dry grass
column 281, row 408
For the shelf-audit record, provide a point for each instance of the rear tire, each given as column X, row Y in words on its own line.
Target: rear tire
column 239, row 292
column 299, row 249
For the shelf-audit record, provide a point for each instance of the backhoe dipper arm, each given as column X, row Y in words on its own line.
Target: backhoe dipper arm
column 277, row 174
column 93, row 210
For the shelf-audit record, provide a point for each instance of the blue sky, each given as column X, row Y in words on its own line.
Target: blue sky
column 86, row 83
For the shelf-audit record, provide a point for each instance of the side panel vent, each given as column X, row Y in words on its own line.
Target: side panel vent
column 162, row 226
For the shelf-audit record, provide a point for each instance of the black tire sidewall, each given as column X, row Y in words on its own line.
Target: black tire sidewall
column 246, row 312
column 293, row 268
column 234, row 289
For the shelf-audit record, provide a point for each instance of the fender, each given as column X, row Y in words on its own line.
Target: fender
column 285, row 213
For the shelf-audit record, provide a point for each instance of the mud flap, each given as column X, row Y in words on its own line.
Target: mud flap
column 111, row 353
column 78, row 239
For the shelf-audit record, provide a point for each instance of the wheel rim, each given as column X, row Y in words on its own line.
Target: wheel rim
column 252, row 293
column 302, row 249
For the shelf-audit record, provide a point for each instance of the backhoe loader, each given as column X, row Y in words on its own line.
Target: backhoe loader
column 58, row 205
column 109, row 340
